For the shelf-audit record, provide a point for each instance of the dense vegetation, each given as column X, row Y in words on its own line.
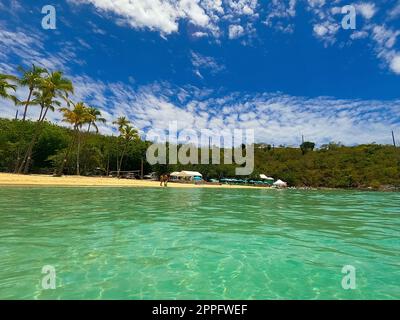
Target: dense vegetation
column 333, row 165
column 99, row 154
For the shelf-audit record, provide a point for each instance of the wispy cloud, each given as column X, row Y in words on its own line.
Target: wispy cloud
column 19, row 47
column 280, row 13
column 201, row 62
column 370, row 26
column 276, row 118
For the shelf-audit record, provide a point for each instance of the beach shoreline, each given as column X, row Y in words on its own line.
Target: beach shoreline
column 41, row 180
column 32, row 180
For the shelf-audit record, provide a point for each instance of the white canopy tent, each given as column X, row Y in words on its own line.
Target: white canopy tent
column 280, row 183
column 191, row 174
column 184, row 174
column 264, row 177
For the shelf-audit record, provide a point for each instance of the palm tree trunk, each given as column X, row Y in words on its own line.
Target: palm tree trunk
column 78, row 154
column 24, row 166
column 122, row 158
column 27, row 104
column 44, row 114
column 17, row 162
column 28, row 156
column 88, row 130
column 41, row 113
column 59, row 172
column 117, row 159
column 26, row 160
column 108, row 163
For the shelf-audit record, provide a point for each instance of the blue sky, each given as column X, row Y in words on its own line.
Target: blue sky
column 284, row 68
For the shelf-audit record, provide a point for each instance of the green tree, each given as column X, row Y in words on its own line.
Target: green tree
column 77, row 117
column 307, row 146
column 95, row 118
column 6, row 84
column 31, row 78
column 51, row 87
column 128, row 133
column 121, row 122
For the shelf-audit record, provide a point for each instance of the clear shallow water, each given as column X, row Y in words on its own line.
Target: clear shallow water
column 128, row 243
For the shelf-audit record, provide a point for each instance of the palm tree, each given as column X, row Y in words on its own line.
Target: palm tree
column 77, row 117
column 6, row 85
column 57, row 85
column 31, row 78
column 96, row 117
column 128, row 133
column 46, row 102
column 51, row 87
column 121, row 122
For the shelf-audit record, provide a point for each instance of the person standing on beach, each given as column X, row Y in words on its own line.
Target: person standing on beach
column 164, row 179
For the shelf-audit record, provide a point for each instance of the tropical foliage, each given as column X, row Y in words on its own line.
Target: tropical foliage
column 127, row 134
column 48, row 90
column 99, row 154
column 31, row 78
column 7, row 87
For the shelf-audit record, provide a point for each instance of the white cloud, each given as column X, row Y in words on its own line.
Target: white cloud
column 159, row 15
column 395, row 11
column 326, row 31
column 359, row 35
column 395, row 64
column 320, row 30
column 199, row 34
column 316, row 3
column 245, row 7
column 325, row 23
column 96, row 29
column 206, row 63
column 30, row 49
column 385, row 38
column 235, row 31
column 366, row 9
column 279, row 12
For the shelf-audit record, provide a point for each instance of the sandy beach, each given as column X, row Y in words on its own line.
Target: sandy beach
column 8, row 179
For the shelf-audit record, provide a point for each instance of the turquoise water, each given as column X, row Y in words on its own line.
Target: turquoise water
column 128, row 243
